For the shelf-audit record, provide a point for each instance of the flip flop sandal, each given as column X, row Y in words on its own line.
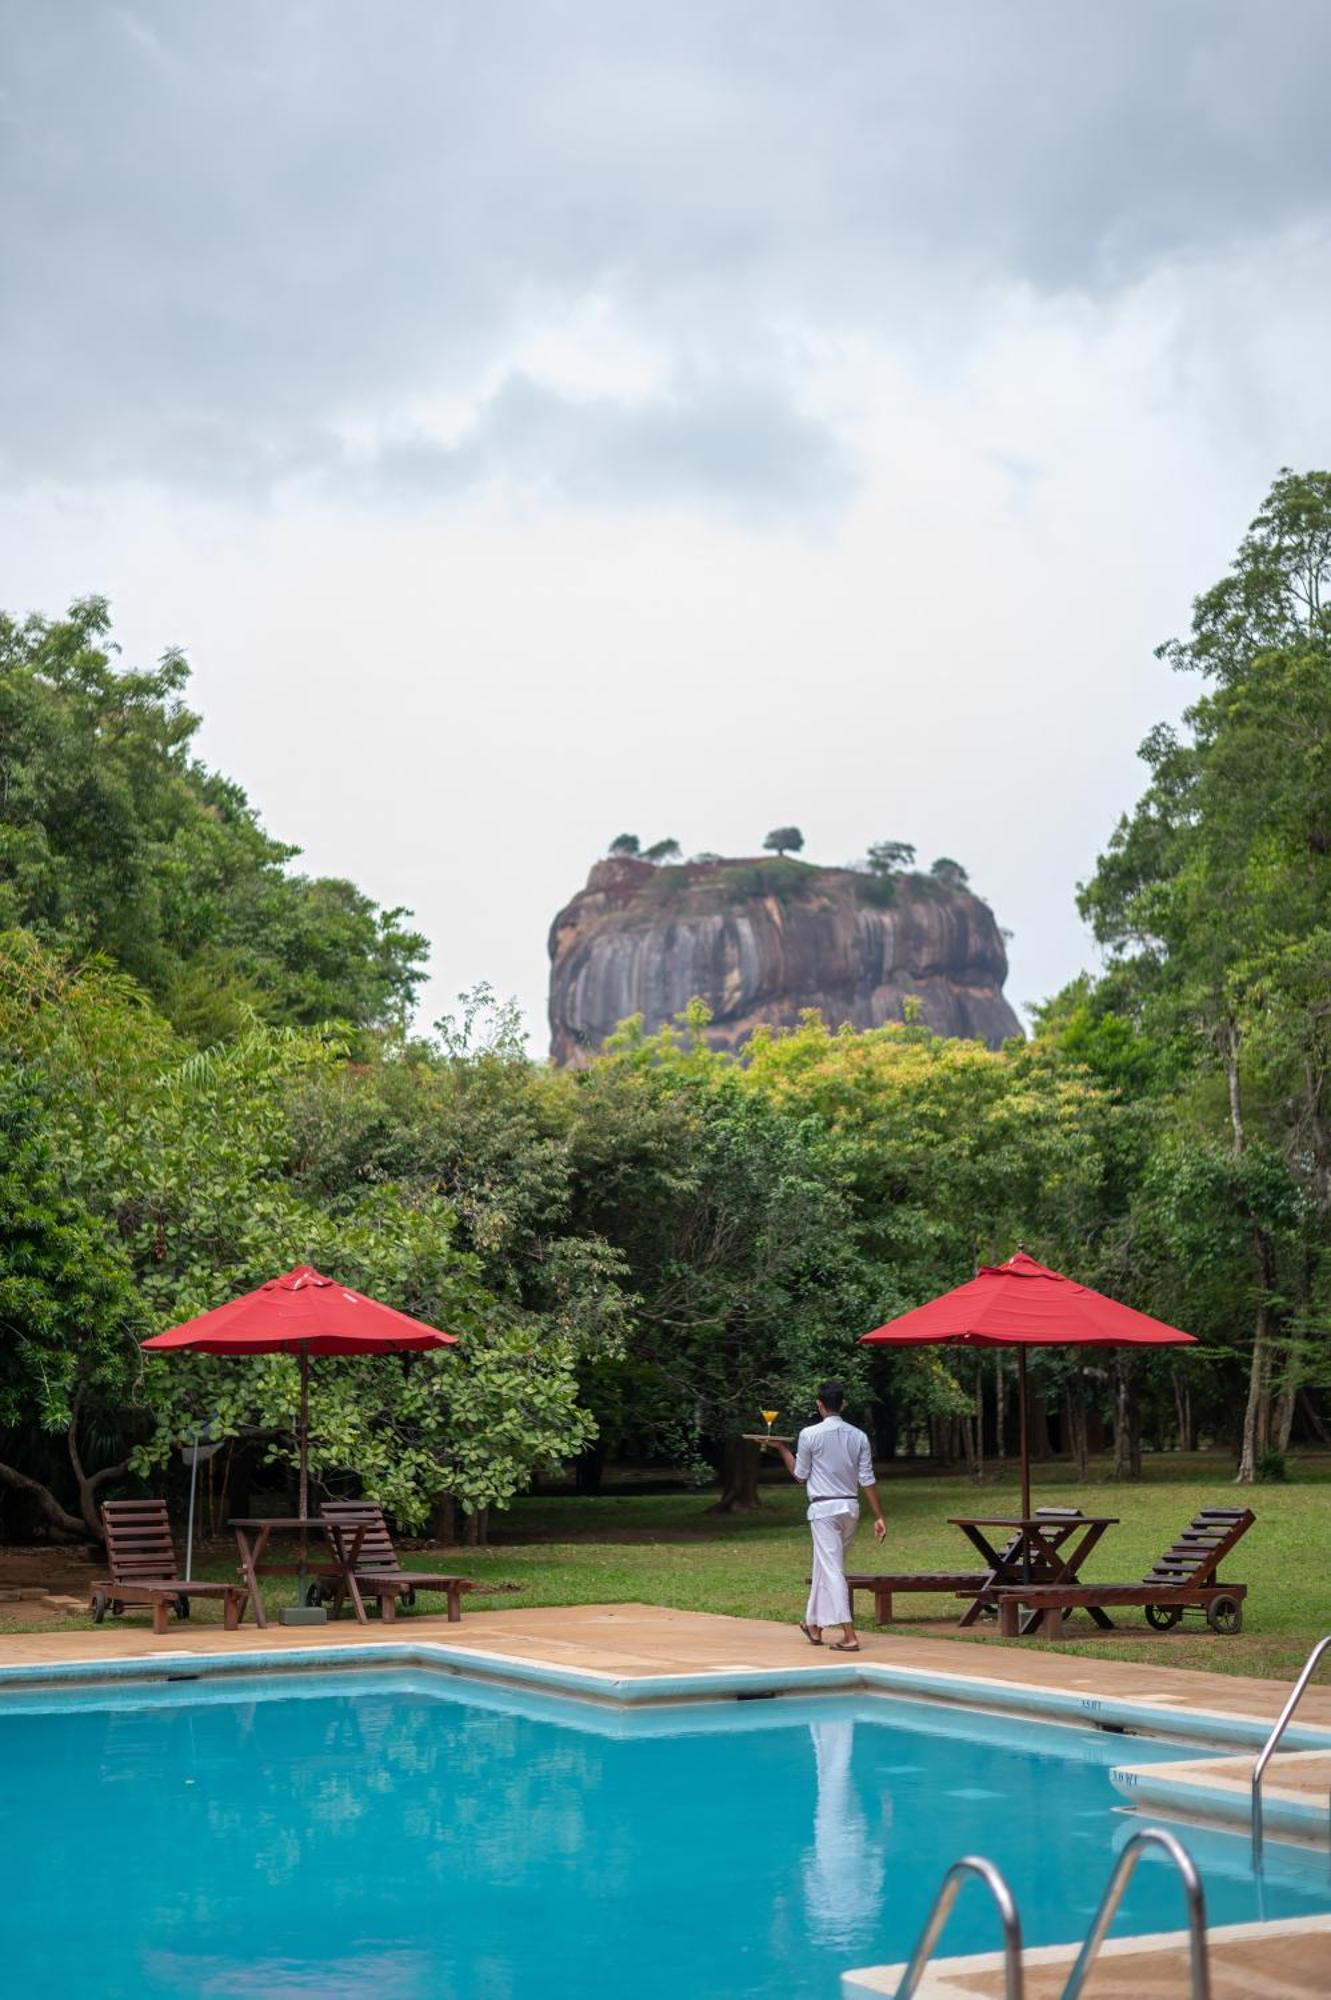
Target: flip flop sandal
column 840, row 1646
column 809, row 1636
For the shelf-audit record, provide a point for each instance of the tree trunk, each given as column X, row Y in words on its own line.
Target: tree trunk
column 589, row 1468
column 1182, row 1409
column 1127, row 1428
column 1312, row 1416
column 740, row 1465
column 1282, row 1414
column 90, row 1485
column 1076, row 1423
column 444, row 1527
column 1040, row 1447
column 1257, row 1410
column 49, row 1507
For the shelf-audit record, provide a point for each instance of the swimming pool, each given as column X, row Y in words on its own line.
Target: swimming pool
column 424, row 1837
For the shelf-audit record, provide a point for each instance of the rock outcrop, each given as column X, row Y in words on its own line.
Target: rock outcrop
column 760, row 941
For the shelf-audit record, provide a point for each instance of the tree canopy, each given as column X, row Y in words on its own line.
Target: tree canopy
column 115, row 838
column 206, row 1076
column 783, row 840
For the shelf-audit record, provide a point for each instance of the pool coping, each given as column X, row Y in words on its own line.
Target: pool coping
column 1219, row 1791
column 1221, row 1728
column 1212, row 1729
column 945, row 1978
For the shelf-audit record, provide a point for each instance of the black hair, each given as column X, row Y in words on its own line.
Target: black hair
column 832, row 1396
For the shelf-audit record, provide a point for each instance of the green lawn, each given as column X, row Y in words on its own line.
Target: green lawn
column 672, row 1549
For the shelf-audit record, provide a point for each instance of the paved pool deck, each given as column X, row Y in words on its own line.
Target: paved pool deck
column 641, row 1641
column 613, row 1650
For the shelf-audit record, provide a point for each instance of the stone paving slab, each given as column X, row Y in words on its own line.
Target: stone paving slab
column 1290, row 1960
column 624, row 1641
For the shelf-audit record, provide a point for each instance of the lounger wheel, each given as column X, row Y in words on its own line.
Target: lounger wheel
column 98, row 1605
column 1225, row 1614
column 182, row 1606
column 315, row 1595
column 408, row 1598
column 1163, row 1617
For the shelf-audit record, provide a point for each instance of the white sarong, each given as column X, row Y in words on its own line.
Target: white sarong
column 829, row 1598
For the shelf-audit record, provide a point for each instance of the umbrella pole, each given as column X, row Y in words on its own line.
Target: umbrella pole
column 1025, row 1438
column 304, row 1469
column 304, row 1427
column 1025, row 1466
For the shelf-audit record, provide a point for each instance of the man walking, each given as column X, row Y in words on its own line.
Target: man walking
column 832, row 1461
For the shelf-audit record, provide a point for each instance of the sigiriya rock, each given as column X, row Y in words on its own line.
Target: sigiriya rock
column 762, row 940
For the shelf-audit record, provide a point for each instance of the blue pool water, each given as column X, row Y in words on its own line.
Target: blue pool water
column 420, row 1838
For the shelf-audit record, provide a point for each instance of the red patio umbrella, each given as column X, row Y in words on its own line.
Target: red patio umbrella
column 1023, row 1304
column 302, row 1313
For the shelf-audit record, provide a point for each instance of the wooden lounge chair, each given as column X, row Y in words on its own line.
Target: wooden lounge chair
column 142, row 1560
column 883, row 1586
column 377, row 1572
column 1184, row 1579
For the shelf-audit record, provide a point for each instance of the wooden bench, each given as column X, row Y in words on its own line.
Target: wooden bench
column 1185, row 1578
column 378, row 1572
column 884, row 1585
column 141, row 1557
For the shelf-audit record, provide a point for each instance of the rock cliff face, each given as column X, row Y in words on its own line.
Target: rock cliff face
column 762, row 940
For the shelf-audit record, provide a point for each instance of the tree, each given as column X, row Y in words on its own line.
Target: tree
column 69, row 1316
column 746, row 1283
column 783, row 840
column 949, row 871
column 889, row 857
column 114, row 838
column 1214, row 897
column 663, row 850
column 625, row 844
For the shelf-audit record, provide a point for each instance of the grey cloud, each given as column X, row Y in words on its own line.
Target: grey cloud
column 229, row 231
column 730, row 444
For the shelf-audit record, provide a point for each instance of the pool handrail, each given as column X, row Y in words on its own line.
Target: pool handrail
column 949, row 1889
column 1129, row 1855
column 1272, row 1742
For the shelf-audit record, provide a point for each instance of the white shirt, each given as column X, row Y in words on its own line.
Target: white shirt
column 835, row 1460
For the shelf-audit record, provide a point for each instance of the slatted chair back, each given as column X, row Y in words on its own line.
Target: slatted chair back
column 1012, row 1547
column 139, row 1548
column 377, row 1553
column 1202, row 1547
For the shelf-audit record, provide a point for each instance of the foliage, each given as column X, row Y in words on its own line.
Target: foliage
column 625, row 844
column 68, row 1308
column 1214, row 899
column 662, row 850
column 889, row 857
column 205, row 1077
column 733, row 1222
column 114, row 838
column 784, row 840
column 949, row 871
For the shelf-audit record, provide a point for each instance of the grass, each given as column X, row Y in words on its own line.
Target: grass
column 673, row 1549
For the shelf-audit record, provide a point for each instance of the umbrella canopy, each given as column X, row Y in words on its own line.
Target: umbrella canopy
column 302, row 1313
column 1023, row 1304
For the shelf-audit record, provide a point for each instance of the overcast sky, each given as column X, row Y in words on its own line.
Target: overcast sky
column 539, row 421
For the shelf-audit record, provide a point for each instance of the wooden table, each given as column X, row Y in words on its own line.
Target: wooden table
column 1037, row 1549
column 253, row 1536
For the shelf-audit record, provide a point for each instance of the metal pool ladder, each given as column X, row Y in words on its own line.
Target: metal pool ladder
column 970, row 1864
column 1130, row 1854
column 1272, row 1741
